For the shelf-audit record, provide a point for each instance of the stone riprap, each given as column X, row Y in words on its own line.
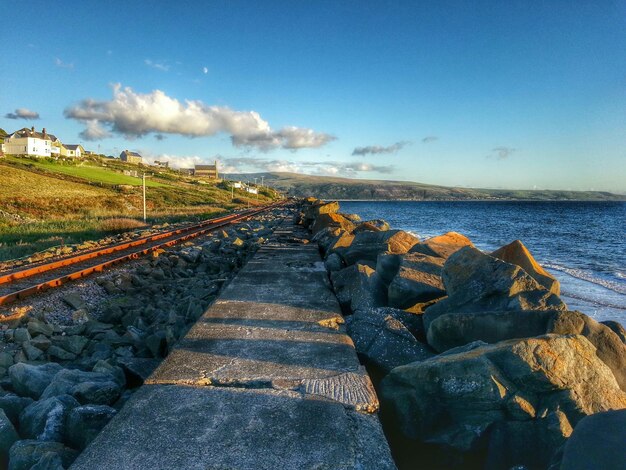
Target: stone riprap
column 477, row 360
column 266, row 378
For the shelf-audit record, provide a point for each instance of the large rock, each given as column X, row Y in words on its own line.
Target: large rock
column 45, row 420
column 418, row 280
column 25, row 454
column 31, row 380
column 457, row 329
column 86, row 387
column 516, row 253
column 8, row 436
column 368, row 245
column 443, row 245
column 617, row 328
column 597, row 442
column 311, row 212
column 377, row 225
column 358, row 287
column 85, row 422
column 383, row 340
column 13, row 405
column 478, row 282
column 452, row 400
column 323, row 221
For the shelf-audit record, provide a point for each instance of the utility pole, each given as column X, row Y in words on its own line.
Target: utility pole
column 232, row 192
column 144, row 196
column 262, row 180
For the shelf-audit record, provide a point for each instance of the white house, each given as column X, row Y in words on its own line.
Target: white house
column 252, row 190
column 73, row 150
column 28, row 142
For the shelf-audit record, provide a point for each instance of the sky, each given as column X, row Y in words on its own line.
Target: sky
column 513, row 94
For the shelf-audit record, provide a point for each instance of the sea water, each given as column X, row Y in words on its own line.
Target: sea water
column 582, row 244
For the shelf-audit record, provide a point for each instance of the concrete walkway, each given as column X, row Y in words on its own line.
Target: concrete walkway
column 266, row 379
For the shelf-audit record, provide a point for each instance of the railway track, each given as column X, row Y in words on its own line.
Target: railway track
column 21, row 283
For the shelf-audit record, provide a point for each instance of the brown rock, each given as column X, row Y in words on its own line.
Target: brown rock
column 443, row 245
column 323, row 221
column 418, row 280
column 516, row 253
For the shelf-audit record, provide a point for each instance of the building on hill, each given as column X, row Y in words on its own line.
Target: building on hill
column 29, row 142
column 206, row 171
column 72, row 150
column 131, row 157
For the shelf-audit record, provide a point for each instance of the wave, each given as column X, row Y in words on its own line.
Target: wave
column 617, row 287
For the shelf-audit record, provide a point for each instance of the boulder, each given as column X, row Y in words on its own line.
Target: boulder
column 597, row 442
column 368, row 245
column 478, row 282
column 37, row 327
column 313, row 211
column 44, row 420
column 456, row 329
column 383, row 341
column 85, row 422
column 331, row 220
column 443, row 245
column 49, row 461
column 12, row 405
column 358, row 287
column 31, row 380
column 86, row 387
column 25, row 454
column 338, row 243
column 333, row 263
column 452, row 400
column 418, row 280
column 377, row 225
column 8, row 436
column 516, row 253
column 617, row 328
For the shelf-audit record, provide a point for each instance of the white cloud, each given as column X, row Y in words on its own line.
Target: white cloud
column 205, row 70
column 378, row 149
column 326, row 168
column 157, row 65
column 135, row 114
column 22, row 113
column 94, row 131
column 64, row 65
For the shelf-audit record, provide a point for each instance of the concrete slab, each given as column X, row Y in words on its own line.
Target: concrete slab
column 169, row 426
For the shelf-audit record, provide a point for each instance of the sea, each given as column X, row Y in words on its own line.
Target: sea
column 582, row 244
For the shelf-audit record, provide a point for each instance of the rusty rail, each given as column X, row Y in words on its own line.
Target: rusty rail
column 185, row 234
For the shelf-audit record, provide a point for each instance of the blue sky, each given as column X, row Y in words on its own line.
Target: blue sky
column 484, row 94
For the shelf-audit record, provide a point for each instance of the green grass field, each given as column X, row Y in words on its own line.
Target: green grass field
column 88, row 172
column 44, row 204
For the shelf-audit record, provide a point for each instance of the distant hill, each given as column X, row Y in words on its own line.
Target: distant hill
column 327, row 187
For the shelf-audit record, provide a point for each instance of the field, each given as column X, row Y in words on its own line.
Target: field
column 45, row 204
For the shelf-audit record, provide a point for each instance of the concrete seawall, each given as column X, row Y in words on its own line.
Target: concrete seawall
column 267, row 378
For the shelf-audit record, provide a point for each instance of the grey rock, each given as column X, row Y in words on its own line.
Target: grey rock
column 597, row 442
column 358, row 287
column 85, row 422
column 456, row 329
column 383, row 341
column 24, row 454
column 442, row 246
column 71, row 343
column 32, row 353
column 8, row 436
column 55, row 352
column 20, row 335
column 333, row 263
column 368, row 245
column 116, row 372
column 31, row 380
column 74, row 300
column 452, row 399
column 138, row 369
column 617, row 328
column 6, row 359
column 44, row 420
column 86, row 387
column 478, row 282
column 49, row 461
column 418, row 280
column 37, row 327
column 12, row 405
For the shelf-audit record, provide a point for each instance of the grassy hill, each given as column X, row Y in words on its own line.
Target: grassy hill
column 45, row 203
column 327, row 187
